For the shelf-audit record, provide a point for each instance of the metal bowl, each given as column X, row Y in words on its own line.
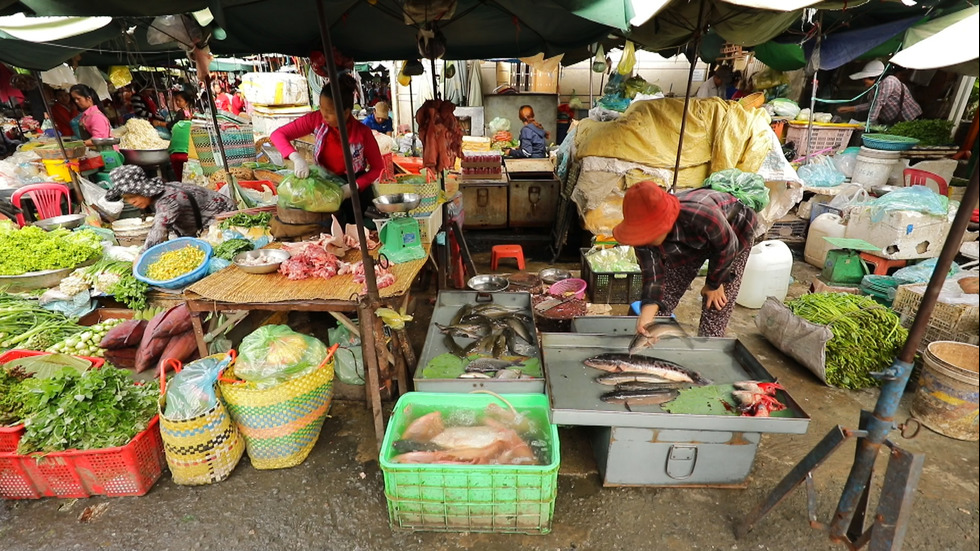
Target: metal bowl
column 488, row 283
column 397, row 202
column 67, row 221
column 878, row 191
column 105, row 142
column 146, row 157
column 550, row 276
column 271, row 258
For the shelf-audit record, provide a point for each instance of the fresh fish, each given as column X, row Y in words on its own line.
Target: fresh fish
column 454, row 347
column 508, row 374
column 499, row 346
column 652, row 386
column 618, row 363
column 481, row 346
column 424, row 428
column 488, row 365
column 629, row 377
column 518, row 327
column 466, row 330
column 659, row 331
column 461, row 313
column 639, row 397
column 474, row 375
column 406, row 446
column 495, row 310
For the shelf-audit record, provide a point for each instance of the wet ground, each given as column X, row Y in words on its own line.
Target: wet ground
column 335, row 500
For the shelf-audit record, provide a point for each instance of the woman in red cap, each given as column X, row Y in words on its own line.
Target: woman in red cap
column 673, row 236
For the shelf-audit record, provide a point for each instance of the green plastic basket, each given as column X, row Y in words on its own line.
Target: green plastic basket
column 470, row 498
column 888, row 142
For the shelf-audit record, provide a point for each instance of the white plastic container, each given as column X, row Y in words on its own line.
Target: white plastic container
column 267, row 119
column 825, row 225
column 275, row 89
column 874, row 166
column 767, row 274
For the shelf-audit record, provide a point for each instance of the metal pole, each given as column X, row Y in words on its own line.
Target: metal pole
column 411, row 119
column 813, row 92
column 369, row 275
column 213, row 109
column 76, row 187
column 897, row 376
column 698, row 32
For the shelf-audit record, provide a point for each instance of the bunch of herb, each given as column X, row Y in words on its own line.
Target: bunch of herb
column 10, row 404
column 242, row 220
column 123, row 284
column 31, row 249
column 228, row 249
column 927, row 131
column 98, row 408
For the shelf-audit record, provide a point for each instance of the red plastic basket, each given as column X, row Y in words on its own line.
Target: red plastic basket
column 10, row 436
column 569, row 287
column 129, row 470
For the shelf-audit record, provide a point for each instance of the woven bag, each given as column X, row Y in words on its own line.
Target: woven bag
column 237, row 138
column 201, row 450
column 281, row 424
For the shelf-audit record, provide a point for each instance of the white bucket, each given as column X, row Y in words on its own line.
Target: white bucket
column 873, row 167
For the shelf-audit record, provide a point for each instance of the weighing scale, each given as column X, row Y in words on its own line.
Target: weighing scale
column 400, row 236
column 110, row 157
column 844, row 266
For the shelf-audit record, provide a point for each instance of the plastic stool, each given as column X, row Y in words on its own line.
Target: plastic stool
column 882, row 265
column 506, row 251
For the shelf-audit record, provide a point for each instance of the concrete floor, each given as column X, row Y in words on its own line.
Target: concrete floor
column 335, row 500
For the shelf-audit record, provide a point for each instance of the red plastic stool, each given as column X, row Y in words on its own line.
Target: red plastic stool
column 882, row 265
column 506, row 251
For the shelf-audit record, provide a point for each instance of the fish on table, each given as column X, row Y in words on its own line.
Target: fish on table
column 639, row 397
column 656, row 332
column 666, row 370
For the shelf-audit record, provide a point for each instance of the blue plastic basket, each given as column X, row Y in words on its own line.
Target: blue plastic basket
column 888, row 142
column 153, row 254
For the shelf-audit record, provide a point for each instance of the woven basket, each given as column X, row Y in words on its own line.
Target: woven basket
column 239, row 172
column 280, row 424
column 262, row 174
column 756, row 99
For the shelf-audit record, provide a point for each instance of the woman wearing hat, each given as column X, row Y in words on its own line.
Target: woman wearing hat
column 893, row 102
column 379, row 121
column 673, row 236
column 184, row 209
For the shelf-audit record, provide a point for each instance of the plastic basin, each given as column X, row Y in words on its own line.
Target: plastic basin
column 154, row 253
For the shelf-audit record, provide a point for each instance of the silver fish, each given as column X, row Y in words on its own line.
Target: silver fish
column 611, row 379
column 474, row 375
column 466, row 330
column 651, row 386
column 639, row 397
column 618, row 363
column 659, row 331
column 488, row 365
column 520, row 329
column 508, row 374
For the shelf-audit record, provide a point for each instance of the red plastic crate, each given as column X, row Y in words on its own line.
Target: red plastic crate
column 129, row 470
column 10, row 436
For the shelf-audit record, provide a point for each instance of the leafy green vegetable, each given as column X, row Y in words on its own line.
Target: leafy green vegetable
column 927, row 131
column 31, row 249
column 124, row 286
column 131, row 292
column 100, row 408
column 24, row 324
column 10, row 403
column 443, row 366
column 230, row 248
column 243, row 220
column 867, row 336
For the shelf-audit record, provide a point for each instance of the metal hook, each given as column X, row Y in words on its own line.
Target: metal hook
column 907, row 426
column 383, row 261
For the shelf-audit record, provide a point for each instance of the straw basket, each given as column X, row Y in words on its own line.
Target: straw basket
column 753, row 100
column 204, row 449
column 280, row 424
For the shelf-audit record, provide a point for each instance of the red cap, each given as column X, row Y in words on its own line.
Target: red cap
column 649, row 212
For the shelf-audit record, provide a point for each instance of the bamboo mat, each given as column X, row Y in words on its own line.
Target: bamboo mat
column 236, row 286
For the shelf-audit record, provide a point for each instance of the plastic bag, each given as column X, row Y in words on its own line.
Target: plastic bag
column 749, row 187
column 94, row 195
column 850, row 195
column 191, row 392
column 922, row 272
column 616, row 259
column 316, row 193
column 499, row 124
column 275, row 353
column 845, row 162
column 820, row 172
column 120, row 76
column 349, row 360
column 915, row 198
column 628, row 61
column 785, row 108
column 637, row 86
column 599, row 64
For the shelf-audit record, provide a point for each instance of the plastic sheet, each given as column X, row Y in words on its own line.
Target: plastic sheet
column 922, row 272
column 783, row 107
column 915, row 198
column 821, row 172
column 191, row 392
column 749, row 187
column 316, row 193
column 275, row 353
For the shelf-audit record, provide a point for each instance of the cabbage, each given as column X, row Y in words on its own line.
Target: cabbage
column 319, row 192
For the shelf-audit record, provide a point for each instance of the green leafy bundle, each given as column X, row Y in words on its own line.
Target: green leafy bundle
column 228, row 249
column 242, row 220
column 927, row 131
column 867, row 336
column 10, row 405
column 31, row 249
column 117, row 280
column 24, row 324
column 100, row 408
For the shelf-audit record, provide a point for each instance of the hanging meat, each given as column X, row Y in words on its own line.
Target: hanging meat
column 441, row 135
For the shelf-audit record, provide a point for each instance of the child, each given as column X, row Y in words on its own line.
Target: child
column 532, row 137
column 379, row 121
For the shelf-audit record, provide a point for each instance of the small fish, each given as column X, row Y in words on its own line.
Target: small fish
column 499, row 346
column 508, row 373
column 659, row 331
column 488, row 365
column 474, row 375
column 520, row 329
column 611, row 379
column 651, row 386
column 466, row 330
column 639, row 397
column 461, row 313
column 618, row 363
column 405, row 446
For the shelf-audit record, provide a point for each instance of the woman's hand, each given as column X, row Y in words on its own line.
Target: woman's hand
column 300, row 168
column 646, row 317
column 847, row 109
column 714, row 298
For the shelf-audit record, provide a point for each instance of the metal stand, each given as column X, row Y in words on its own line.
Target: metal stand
column 887, row 530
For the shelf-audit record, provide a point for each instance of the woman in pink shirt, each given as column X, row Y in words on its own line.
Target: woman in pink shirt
column 328, row 149
column 92, row 122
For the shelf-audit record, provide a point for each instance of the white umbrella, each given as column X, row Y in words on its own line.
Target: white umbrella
column 952, row 44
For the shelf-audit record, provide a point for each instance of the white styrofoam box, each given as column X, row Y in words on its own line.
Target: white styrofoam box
column 275, row 89
column 267, row 119
column 901, row 235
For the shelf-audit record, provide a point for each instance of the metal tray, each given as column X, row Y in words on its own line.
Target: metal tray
column 614, row 325
column 447, row 304
column 574, row 396
column 38, row 280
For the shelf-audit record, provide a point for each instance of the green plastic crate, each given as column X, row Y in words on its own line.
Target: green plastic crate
column 470, row 498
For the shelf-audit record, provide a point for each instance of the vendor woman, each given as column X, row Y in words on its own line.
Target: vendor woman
column 185, row 209
column 673, row 236
column 328, row 149
column 92, row 122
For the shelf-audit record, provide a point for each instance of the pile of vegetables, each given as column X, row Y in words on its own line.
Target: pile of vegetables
column 10, row 406
column 927, row 131
column 242, row 220
column 24, row 324
column 111, row 278
column 87, row 342
column 173, row 264
column 867, row 336
column 31, row 249
column 142, row 344
column 228, row 249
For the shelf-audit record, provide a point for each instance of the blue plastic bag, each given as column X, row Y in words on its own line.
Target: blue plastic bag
column 191, row 392
column 821, row 172
column 914, row 198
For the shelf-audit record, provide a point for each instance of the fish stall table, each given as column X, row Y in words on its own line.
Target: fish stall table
column 644, row 445
column 232, row 289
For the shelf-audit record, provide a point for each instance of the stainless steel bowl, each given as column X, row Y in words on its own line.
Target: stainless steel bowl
column 488, row 283
column 146, row 157
column 271, row 258
column 67, row 221
column 397, row 202
column 550, row 276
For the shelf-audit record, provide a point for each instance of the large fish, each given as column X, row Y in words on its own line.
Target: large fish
column 652, row 386
column 639, row 397
column 611, row 379
column 472, row 330
column 669, row 371
column 519, row 328
column 658, row 331
column 488, row 365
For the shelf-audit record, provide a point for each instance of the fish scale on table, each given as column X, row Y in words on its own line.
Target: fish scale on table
column 618, row 363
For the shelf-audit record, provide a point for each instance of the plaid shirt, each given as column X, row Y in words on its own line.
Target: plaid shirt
column 894, row 103
column 173, row 211
column 711, row 224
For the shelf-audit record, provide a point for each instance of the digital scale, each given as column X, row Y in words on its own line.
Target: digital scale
column 400, row 237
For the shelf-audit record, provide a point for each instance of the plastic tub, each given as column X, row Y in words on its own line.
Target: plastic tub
column 946, row 398
column 58, row 170
column 569, row 287
column 767, row 274
column 153, row 254
column 873, row 167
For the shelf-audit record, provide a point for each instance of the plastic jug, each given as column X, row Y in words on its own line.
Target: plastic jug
column 767, row 274
column 825, row 225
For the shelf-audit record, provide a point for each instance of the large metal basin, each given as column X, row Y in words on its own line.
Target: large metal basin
column 146, row 157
